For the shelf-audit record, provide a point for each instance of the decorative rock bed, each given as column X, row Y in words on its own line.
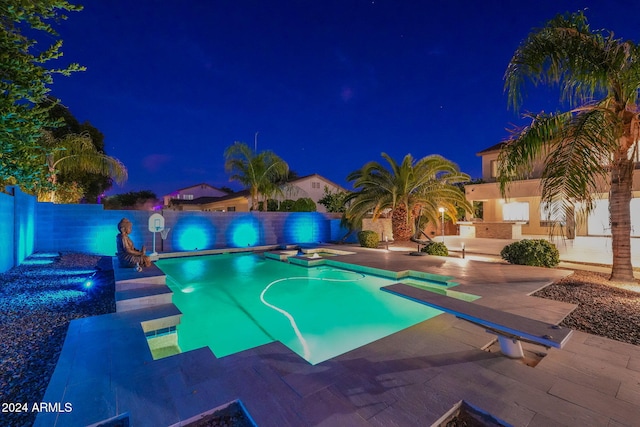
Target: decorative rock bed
column 38, row 300
column 607, row 309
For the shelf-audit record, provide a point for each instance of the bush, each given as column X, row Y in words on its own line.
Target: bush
column 286, row 205
column 368, row 239
column 304, row 204
column 436, row 248
column 537, row 252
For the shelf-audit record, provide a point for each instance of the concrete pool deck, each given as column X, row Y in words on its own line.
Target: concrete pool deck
column 412, row 377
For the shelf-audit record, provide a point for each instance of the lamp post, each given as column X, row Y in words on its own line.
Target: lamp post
column 441, row 210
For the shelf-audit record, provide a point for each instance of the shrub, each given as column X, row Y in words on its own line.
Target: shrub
column 286, row 205
column 368, row 239
column 536, row 252
column 272, row 205
column 304, row 204
column 436, row 248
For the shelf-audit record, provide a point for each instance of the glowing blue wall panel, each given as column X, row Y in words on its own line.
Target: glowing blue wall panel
column 24, row 225
column 91, row 229
column 306, row 227
column 7, row 228
column 85, row 228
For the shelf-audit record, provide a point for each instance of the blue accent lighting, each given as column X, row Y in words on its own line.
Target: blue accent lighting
column 193, row 233
column 88, row 284
column 305, row 227
column 244, row 231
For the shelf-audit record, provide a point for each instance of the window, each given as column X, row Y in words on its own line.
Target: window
column 494, row 168
column 515, row 211
column 231, row 209
column 185, row 196
column 315, row 184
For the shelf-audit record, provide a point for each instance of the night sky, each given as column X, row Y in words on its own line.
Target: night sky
column 327, row 84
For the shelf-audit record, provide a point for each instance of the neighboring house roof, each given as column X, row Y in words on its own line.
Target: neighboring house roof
column 210, row 199
column 302, row 178
column 195, row 186
column 495, row 147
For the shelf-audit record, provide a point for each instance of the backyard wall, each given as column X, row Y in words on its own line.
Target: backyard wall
column 89, row 228
column 6, row 232
column 17, row 228
column 27, row 226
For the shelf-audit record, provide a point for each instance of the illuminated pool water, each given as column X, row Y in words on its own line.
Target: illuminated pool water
column 234, row 302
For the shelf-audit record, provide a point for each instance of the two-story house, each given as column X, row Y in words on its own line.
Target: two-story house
column 523, row 205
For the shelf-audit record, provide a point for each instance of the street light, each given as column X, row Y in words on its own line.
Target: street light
column 441, row 210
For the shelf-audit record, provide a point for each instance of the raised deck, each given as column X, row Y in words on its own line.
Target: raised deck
column 510, row 328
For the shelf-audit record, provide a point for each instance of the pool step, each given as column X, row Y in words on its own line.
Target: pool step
column 149, row 296
column 166, row 316
column 140, row 289
column 138, row 279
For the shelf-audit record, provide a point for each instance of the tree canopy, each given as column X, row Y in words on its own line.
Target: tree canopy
column 142, row 200
column 25, row 82
column 410, row 189
column 261, row 172
column 74, row 153
column 595, row 140
column 91, row 184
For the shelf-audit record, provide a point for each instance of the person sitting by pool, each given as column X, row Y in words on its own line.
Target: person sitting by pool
column 127, row 254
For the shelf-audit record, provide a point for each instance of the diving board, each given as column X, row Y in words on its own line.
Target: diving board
column 510, row 328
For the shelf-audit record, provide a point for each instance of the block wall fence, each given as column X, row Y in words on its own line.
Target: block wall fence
column 27, row 226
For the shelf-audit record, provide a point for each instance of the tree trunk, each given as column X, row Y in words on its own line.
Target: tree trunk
column 620, row 217
column 400, row 224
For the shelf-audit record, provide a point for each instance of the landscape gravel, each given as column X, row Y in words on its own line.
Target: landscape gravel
column 38, row 300
column 607, row 309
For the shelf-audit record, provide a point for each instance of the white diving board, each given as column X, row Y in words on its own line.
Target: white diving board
column 510, row 328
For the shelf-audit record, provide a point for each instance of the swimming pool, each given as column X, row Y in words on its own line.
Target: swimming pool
column 233, row 302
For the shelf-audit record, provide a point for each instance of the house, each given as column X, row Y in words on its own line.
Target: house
column 309, row 186
column 234, row 202
column 523, row 212
column 194, row 192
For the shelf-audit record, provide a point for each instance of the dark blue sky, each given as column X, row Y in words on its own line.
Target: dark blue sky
column 328, row 84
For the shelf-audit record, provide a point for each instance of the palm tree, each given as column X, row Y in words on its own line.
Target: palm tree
column 409, row 189
column 596, row 139
column 259, row 172
column 75, row 153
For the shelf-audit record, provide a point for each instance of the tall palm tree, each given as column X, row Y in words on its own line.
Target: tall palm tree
column 596, row 140
column 76, row 153
column 411, row 188
column 259, row 172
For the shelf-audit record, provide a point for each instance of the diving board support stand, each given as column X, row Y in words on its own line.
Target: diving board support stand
column 510, row 347
column 510, row 328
